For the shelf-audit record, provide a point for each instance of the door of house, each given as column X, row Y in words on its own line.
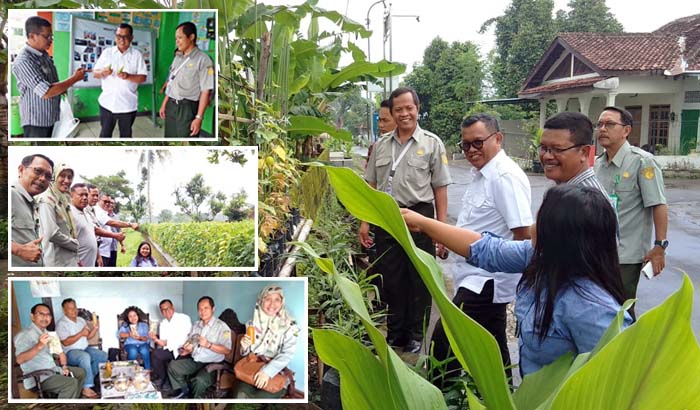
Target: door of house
column 659, row 124
column 634, row 137
column 689, row 130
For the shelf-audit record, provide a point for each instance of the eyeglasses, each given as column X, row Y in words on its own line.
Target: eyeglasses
column 38, row 171
column 555, row 151
column 49, row 37
column 119, row 36
column 477, row 144
column 42, row 314
column 607, row 124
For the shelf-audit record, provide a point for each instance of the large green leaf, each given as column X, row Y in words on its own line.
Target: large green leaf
column 475, row 348
column 653, row 364
column 303, row 124
column 405, row 388
column 359, row 69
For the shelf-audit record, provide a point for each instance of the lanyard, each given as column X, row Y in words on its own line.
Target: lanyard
column 395, row 161
column 177, row 70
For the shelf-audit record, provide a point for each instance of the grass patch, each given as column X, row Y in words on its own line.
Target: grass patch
column 132, row 241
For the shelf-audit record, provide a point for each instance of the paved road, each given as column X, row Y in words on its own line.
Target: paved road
column 683, row 196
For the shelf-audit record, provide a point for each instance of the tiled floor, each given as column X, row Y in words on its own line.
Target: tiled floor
column 143, row 128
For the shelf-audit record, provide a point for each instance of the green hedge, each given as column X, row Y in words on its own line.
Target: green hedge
column 207, row 244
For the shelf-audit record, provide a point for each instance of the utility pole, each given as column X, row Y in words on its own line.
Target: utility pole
column 370, row 111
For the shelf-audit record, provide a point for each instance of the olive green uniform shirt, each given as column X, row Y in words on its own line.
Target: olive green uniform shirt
column 190, row 75
column 25, row 340
column 25, row 222
column 635, row 177
column 423, row 167
column 217, row 332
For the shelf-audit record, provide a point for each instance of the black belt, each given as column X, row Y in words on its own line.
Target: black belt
column 181, row 101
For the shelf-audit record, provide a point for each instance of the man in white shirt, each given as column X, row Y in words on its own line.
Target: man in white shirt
column 74, row 333
column 173, row 332
column 122, row 69
column 497, row 200
column 110, row 224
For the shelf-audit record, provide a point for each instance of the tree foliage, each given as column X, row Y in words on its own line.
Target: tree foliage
column 237, row 209
column 116, row 186
column 350, row 111
column 449, row 76
column 191, row 197
column 527, row 28
column 137, row 204
column 588, row 16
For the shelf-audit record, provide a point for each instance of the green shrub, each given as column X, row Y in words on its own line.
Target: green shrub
column 207, row 244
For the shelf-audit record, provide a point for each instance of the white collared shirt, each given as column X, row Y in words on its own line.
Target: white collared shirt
column 497, row 200
column 175, row 331
column 120, row 96
column 66, row 328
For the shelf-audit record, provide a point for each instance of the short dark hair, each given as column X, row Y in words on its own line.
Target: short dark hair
column 401, row 91
column 188, row 28
column 580, row 127
column 165, row 301
column 488, row 120
column 34, row 25
column 27, row 161
column 625, row 116
column 90, row 187
column 67, row 301
column 128, row 27
column 207, row 298
column 40, row 304
column 385, row 104
column 78, row 185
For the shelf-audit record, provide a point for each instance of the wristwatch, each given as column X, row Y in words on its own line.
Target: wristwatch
column 199, row 117
column 662, row 243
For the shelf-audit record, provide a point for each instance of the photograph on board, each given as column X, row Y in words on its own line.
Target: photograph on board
column 104, row 74
column 132, row 208
column 137, row 339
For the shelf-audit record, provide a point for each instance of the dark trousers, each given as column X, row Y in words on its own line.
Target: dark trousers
column 112, row 259
column 480, row 307
column 630, row 280
column 178, row 117
column 159, row 363
column 108, row 120
column 404, row 291
column 31, row 131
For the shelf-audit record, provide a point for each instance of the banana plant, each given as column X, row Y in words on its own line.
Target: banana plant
column 652, row 364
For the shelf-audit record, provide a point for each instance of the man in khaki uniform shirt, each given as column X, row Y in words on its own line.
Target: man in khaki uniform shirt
column 634, row 181
column 35, row 174
column 190, row 81
column 410, row 164
column 212, row 338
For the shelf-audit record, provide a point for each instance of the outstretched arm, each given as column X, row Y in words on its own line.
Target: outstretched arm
column 453, row 237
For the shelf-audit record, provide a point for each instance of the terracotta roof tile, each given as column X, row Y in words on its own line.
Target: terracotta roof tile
column 567, row 85
column 626, row 51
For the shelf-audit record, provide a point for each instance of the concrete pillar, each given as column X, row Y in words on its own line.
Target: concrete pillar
column 561, row 104
column 611, row 99
column 584, row 102
column 543, row 111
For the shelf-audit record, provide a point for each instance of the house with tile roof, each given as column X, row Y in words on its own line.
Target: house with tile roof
column 656, row 76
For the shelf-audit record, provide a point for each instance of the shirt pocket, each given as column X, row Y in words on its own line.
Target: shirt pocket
column 419, row 170
column 26, row 226
column 382, row 167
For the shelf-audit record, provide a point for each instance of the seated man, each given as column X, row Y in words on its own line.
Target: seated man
column 173, row 332
column 74, row 334
column 32, row 353
column 208, row 342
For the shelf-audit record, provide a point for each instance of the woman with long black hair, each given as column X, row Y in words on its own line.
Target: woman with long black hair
column 571, row 288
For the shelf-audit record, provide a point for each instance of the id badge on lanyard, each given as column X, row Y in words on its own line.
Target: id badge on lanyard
column 614, row 199
column 394, row 163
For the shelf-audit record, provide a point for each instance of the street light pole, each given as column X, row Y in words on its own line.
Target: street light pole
column 370, row 111
column 391, row 37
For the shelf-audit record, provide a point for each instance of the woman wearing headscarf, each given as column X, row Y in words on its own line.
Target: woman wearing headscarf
column 60, row 243
column 276, row 334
